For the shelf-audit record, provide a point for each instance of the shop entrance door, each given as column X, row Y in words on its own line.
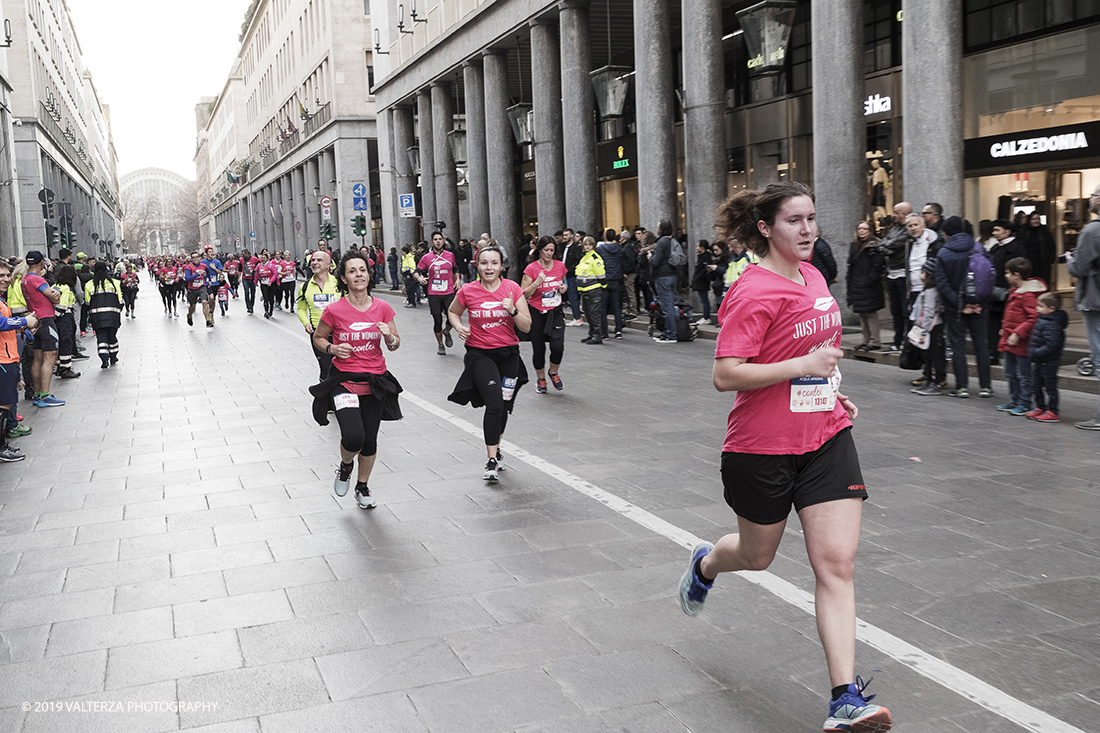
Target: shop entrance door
column 1070, row 214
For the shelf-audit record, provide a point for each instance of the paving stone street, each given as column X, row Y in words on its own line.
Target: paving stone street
column 172, row 555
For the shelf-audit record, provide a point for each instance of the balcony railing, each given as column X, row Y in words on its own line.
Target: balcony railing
column 58, row 136
column 317, row 121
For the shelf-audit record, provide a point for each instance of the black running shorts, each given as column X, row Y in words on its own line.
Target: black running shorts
column 46, row 336
column 762, row 488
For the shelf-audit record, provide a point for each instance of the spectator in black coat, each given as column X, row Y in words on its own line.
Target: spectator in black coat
column 700, row 279
column 824, row 261
column 1038, row 247
column 1006, row 248
column 866, row 297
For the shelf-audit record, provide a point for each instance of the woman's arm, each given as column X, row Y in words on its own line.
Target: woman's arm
column 735, row 373
column 320, row 341
column 454, row 317
column 529, row 286
column 523, row 318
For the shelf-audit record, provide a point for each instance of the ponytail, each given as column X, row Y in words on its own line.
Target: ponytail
column 739, row 216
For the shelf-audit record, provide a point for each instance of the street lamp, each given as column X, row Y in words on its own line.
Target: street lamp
column 522, row 117
column 457, row 140
column 611, row 84
column 414, row 159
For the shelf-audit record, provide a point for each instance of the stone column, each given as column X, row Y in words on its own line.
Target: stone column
column 404, row 177
column 268, row 236
column 446, row 179
column 387, row 180
column 311, row 228
column 549, row 162
column 277, row 215
column 426, row 143
column 499, row 145
column 578, row 105
column 654, row 100
column 476, row 163
column 298, row 194
column 931, row 82
column 704, row 125
column 840, row 134
column 288, row 212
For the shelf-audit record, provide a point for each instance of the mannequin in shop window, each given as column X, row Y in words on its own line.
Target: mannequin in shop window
column 880, row 182
column 1039, row 246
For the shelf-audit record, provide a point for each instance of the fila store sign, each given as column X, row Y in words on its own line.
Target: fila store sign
column 1066, row 143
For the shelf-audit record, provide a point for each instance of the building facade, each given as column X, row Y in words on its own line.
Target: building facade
column 526, row 117
column 66, row 168
column 160, row 214
column 293, row 127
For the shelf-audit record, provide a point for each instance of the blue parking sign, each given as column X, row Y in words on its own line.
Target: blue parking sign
column 406, row 206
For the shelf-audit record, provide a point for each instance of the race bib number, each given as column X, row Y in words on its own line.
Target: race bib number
column 344, row 400
column 815, row 394
column 323, row 300
column 508, row 388
column 551, row 299
column 438, row 285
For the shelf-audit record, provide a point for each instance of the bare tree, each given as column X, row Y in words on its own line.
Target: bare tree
column 138, row 220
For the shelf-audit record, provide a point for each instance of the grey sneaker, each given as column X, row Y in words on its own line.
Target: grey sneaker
column 8, row 454
column 928, row 390
column 1093, row 424
column 442, row 350
column 363, row 497
column 343, row 478
column 693, row 593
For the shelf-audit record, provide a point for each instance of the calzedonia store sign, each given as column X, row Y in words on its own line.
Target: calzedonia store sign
column 1050, row 145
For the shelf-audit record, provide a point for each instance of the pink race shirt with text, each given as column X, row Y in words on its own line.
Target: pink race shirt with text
column 440, row 269
column 491, row 325
column 546, row 297
column 766, row 318
column 360, row 329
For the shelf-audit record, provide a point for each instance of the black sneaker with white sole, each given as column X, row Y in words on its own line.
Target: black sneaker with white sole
column 363, row 497
column 491, row 468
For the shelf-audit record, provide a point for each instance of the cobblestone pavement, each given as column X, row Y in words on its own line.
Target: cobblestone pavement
column 173, row 537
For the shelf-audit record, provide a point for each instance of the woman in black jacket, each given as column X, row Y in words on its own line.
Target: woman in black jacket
column 700, row 280
column 866, row 262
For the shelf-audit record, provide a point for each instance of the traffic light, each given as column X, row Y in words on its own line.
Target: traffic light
column 327, row 230
column 359, row 223
column 51, row 235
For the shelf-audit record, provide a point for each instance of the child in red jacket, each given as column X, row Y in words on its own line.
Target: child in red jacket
column 1019, row 320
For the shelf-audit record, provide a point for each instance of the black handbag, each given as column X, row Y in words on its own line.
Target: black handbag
column 910, row 356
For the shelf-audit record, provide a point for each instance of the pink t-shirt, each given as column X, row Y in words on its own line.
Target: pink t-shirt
column 491, row 326
column 36, row 299
column 441, row 272
column 546, row 297
column 766, row 318
column 360, row 329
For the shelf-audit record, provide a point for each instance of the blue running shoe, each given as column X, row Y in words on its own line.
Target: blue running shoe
column 693, row 592
column 1007, row 407
column 48, row 401
column 852, row 712
column 1020, row 409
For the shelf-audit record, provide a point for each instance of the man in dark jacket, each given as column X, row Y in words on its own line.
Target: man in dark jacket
column 1006, row 248
column 1084, row 264
column 663, row 276
column 823, row 260
column 612, row 255
column 895, row 246
column 571, row 253
column 952, row 264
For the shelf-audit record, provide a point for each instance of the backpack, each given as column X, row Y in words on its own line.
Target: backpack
column 676, row 256
column 630, row 258
column 977, row 286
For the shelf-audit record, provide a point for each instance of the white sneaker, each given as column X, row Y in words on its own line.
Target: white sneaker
column 364, row 498
column 575, row 322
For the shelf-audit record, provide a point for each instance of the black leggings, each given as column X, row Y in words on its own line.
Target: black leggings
column 168, row 295
column 129, row 295
column 488, row 380
column 287, row 293
column 438, row 305
column 270, row 296
column 539, row 339
column 359, row 425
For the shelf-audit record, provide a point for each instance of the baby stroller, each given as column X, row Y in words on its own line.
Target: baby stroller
column 685, row 329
